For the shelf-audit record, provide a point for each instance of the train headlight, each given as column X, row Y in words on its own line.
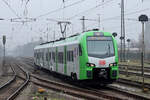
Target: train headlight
column 90, row 64
column 113, row 64
column 110, row 64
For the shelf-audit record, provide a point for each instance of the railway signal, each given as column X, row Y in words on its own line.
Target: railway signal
column 1, row 19
column 4, row 42
column 4, row 39
column 143, row 19
column 114, row 34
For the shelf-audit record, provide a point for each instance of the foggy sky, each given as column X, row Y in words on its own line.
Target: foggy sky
column 19, row 33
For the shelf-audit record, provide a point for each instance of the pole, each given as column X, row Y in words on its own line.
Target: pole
column 143, row 19
column 4, row 56
column 123, row 29
column 128, row 50
column 54, row 36
column 121, row 34
column 99, row 21
column 142, row 60
column 83, row 23
column 4, row 42
column 47, row 37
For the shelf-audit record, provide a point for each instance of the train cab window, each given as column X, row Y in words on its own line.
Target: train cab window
column 100, row 47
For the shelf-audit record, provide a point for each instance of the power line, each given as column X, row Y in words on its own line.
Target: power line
column 56, row 10
column 80, row 13
column 53, row 20
column 130, row 13
column 11, row 8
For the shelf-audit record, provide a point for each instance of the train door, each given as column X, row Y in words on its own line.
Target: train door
column 60, row 57
column 76, row 59
column 46, row 58
column 41, row 57
column 35, row 57
column 70, row 60
column 50, row 60
column 38, row 57
column 53, row 58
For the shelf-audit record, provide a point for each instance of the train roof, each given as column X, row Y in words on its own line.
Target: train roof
column 73, row 39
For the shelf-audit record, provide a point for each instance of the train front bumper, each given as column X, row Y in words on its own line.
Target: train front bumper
column 106, row 73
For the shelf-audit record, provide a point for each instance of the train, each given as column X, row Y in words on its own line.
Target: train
column 88, row 56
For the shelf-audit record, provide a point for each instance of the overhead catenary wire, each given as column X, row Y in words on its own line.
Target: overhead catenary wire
column 130, row 13
column 59, row 9
column 11, row 8
column 90, row 9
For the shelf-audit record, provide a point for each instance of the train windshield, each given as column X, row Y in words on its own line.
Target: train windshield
column 100, row 47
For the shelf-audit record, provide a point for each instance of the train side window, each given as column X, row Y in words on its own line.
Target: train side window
column 72, row 56
column 67, row 55
column 60, row 57
column 49, row 55
column 43, row 55
column 37, row 55
column 80, row 50
column 40, row 55
column 53, row 56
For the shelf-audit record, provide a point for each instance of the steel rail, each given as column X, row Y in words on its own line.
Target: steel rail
column 9, row 81
column 132, row 83
column 11, row 97
column 135, row 66
column 132, row 95
column 133, row 73
column 88, row 93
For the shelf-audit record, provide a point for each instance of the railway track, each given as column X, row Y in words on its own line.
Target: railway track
column 12, row 88
column 135, row 68
column 136, row 73
column 87, row 92
column 71, row 90
column 10, row 80
column 116, row 94
column 132, row 83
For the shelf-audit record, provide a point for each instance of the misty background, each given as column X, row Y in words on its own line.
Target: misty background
column 27, row 23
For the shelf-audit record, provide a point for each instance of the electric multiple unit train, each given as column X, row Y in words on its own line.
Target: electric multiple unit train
column 91, row 55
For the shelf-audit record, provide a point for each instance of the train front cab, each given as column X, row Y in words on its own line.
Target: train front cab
column 100, row 56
